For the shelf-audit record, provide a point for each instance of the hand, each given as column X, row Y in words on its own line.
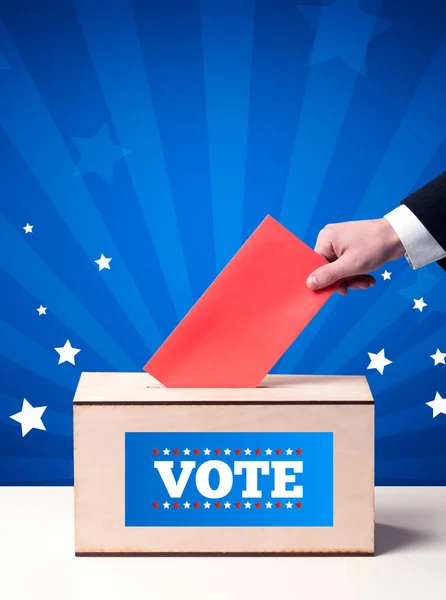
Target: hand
column 353, row 249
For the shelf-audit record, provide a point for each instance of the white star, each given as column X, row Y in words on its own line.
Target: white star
column 248, row 451
column 247, row 504
column 378, row 361
column 67, row 353
column 42, row 310
column 227, row 505
column 268, row 505
column 207, row 505
column 29, row 417
column 420, row 304
column 289, row 451
column 186, row 451
column 104, row 263
column 166, row 451
column 386, row 275
column 439, row 357
column 289, row 505
column 166, row 504
column 268, row 451
column 28, row 228
column 438, row 405
column 227, row 451
column 186, row 504
column 207, row 451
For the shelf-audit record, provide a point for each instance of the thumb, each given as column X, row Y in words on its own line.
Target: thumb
column 328, row 274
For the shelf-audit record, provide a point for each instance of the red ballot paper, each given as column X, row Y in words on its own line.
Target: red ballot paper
column 248, row 316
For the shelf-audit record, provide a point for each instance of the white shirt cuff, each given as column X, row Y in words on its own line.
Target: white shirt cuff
column 421, row 248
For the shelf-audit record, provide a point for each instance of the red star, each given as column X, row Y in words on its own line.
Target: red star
column 278, row 505
column 258, row 451
column 196, row 505
column 176, row 505
column 298, row 451
column 258, row 505
column 238, row 451
column 238, row 505
column 156, row 451
column 176, row 451
column 218, row 451
column 298, row 505
column 155, row 505
column 217, row 505
column 278, row 451
column 196, row 451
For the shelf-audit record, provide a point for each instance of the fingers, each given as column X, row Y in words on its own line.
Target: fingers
column 329, row 274
column 359, row 282
column 324, row 247
column 326, row 275
column 349, row 258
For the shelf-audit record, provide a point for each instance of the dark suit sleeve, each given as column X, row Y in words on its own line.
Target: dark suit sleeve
column 428, row 204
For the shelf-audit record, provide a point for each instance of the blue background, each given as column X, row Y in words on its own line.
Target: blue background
column 160, row 134
column 143, row 483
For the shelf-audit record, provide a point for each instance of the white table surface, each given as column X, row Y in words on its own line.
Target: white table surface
column 37, row 558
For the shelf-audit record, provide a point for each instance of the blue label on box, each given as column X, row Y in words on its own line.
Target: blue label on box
column 229, row 479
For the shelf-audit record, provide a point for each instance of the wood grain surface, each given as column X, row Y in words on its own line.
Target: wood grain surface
column 99, row 460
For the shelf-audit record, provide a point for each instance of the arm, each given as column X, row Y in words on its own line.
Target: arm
column 428, row 204
column 420, row 222
column 417, row 229
column 421, row 247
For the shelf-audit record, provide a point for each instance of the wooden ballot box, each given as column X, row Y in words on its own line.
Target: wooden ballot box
column 284, row 468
